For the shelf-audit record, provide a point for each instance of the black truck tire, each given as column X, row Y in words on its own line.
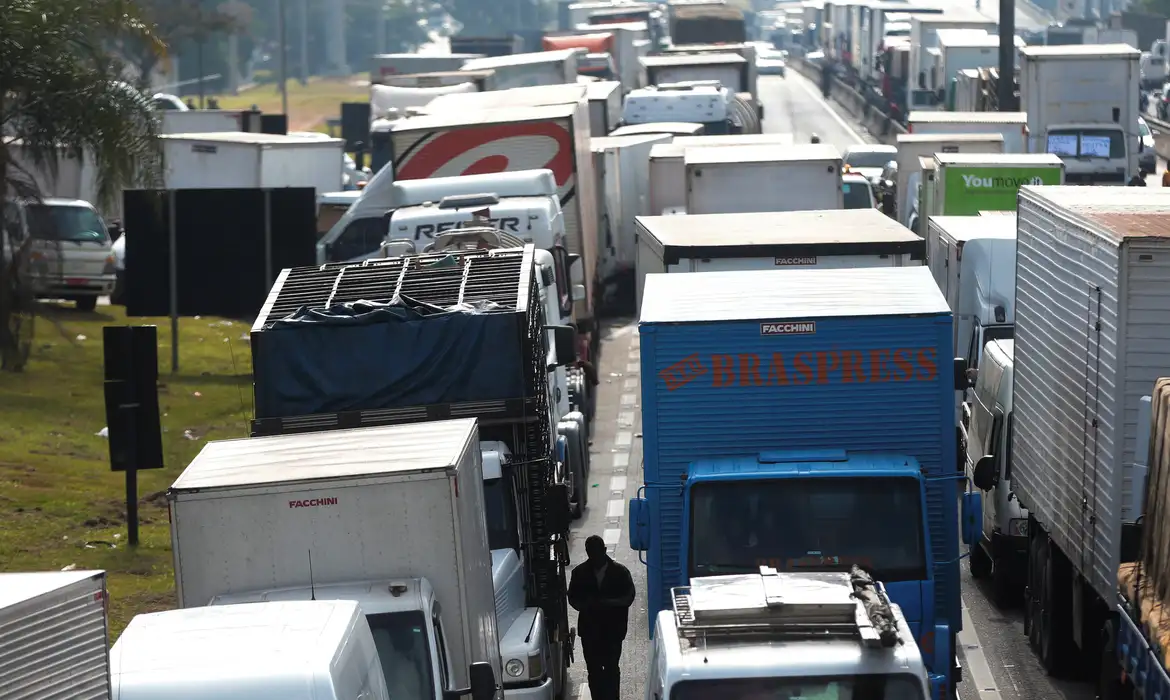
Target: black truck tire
column 574, row 464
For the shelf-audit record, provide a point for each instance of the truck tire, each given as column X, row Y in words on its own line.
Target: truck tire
column 1003, row 583
column 978, row 561
column 586, row 457
column 574, row 442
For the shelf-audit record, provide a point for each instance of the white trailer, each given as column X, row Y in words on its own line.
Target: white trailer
column 732, row 179
column 962, row 49
column 391, row 517
column 668, row 179
column 1092, row 326
column 1082, row 105
column 203, row 121
column 924, row 37
column 1013, row 126
column 845, row 238
column 243, row 160
column 385, row 64
column 628, row 168
column 605, row 106
column 913, row 147
column 536, row 96
column 54, row 636
column 529, row 69
column 553, row 137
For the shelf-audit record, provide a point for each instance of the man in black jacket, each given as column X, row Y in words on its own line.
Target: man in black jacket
column 602, row 591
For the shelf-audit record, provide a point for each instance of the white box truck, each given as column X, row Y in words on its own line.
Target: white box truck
column 605, row 106
column 772, row 240
column 201, row 121
column 912, row 147
column 1082, row 105
column 1013, row 126
column 243, row 160
column 391, row 517
column 668, row 179
column 535, row 96
column 529, row 69
column 924, row 37
column 54, row 638
column 293, row 650
column 1092, row 328
column 732, row 179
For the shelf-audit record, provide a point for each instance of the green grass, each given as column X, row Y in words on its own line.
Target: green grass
column 60, row 505
column 308, row 105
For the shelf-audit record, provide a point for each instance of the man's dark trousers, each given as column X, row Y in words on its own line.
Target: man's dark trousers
column 603, row 660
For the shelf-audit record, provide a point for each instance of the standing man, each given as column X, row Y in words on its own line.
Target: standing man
column 602, row 591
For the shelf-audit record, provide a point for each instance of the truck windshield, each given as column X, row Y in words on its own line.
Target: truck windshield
column 500, row 511
column 867, row 687
column 1086, row 143
column 824, row 523
column 857, row 195
column 401, row 639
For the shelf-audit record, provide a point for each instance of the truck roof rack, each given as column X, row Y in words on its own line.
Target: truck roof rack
column 776, row 605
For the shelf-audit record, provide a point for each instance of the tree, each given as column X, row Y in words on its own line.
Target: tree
column 177, row 21
column 61, row 91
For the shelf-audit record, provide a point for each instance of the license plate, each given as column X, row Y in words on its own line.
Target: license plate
column 75, row 282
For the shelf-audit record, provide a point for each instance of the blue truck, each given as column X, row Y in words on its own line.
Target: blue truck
column 804, row 420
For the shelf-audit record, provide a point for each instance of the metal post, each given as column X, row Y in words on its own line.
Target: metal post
column 1007, row 56
column 174, row 263
column 199, row 59
column 132, row 503
column 268, row 279
column 303, row 11
column 283, row 57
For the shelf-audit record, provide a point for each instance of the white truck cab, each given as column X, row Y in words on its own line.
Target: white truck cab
column 995, row 525
column 311, row 650
column 790, row 635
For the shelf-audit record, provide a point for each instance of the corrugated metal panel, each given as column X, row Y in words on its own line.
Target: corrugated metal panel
column 1091, row 329
column 54, row 648
column 848, row 385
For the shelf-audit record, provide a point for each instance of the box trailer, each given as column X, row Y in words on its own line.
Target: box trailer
column 1013, row 126
column 605, row 106
column 252, row 517
column 553, row 137
column 529, row 69
column 912, row 147
column 384, row 64
column 1093, row 321
column 668, row 174
column 764, row 241
column 55, row 638
column 631, row 156
column 730, row 179
column 967, row 183
column 201, row 121
column 483, row 80
column 924, row 37
column 535, row 96
column 226, row 160
column 616, row 41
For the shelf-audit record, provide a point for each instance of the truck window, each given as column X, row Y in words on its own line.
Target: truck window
column 440, row 647
column 857, row 196
column 564, row 282
column 360, row 237
column 1007, row 450
column 861, row 687
column 403, row 649
column 809, row 523
column 500, row 511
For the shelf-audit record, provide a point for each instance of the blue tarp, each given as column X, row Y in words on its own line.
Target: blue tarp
column 366, row 355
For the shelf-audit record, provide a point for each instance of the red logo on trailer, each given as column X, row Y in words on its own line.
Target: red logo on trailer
column 470, row 151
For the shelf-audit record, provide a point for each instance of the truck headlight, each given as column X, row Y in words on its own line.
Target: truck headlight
column 514, row 667
column 1018, row 527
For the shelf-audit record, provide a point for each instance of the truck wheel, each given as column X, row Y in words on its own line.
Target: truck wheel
column 1003, row 587
column 1110, row 684
column 574, row 462
column 978, row 561
column 86, row 303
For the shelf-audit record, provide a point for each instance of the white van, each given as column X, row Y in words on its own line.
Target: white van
column 302, row 650
column 995, row 525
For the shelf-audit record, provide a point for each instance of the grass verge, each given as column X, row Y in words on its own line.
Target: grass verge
column 309, row 105
column 60, row 505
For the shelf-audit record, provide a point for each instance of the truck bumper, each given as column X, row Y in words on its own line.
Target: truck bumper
column 531, row 690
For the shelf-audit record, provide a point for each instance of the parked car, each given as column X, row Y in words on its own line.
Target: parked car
column 70, row 254
column 771, row 62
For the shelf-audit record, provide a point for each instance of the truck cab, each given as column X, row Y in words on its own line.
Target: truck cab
column 995, row 525
column 770, row 634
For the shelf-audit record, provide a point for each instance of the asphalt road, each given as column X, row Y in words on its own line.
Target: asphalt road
column 993, row 646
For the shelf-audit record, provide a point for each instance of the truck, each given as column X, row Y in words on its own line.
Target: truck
column 226, row 160
column 483, row 80
column 761, row 241
column 55, row 635
column 963, row 49
column 227, row 652
column 384, row 64
column 392, row 102
column 705, row 23
column 750, row 74
column 1090, row 281
column 200, row 121
column 305, row 517
column 554, row 137
column 924, row 37
column 528, row 69
column 809, row 634
column 625, row 172
column 772, row 490
column 965, row 184
column 496, row 366
column 1140, row 669
column 605, row 106
column 1013, row 126
column 487, row 46
column 912, row 147
column 731, row 179
column 617, row 42
column 668, row 175
column 709, row 103
column 1082, row 104
column 671, row 128
column 536, row 96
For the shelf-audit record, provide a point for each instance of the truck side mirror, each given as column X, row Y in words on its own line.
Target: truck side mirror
column 565, row 344
column 962, row 380
column 559, row 512
column 578, row 292
column 483, row 681
column 984, row 474
column 639, row 524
